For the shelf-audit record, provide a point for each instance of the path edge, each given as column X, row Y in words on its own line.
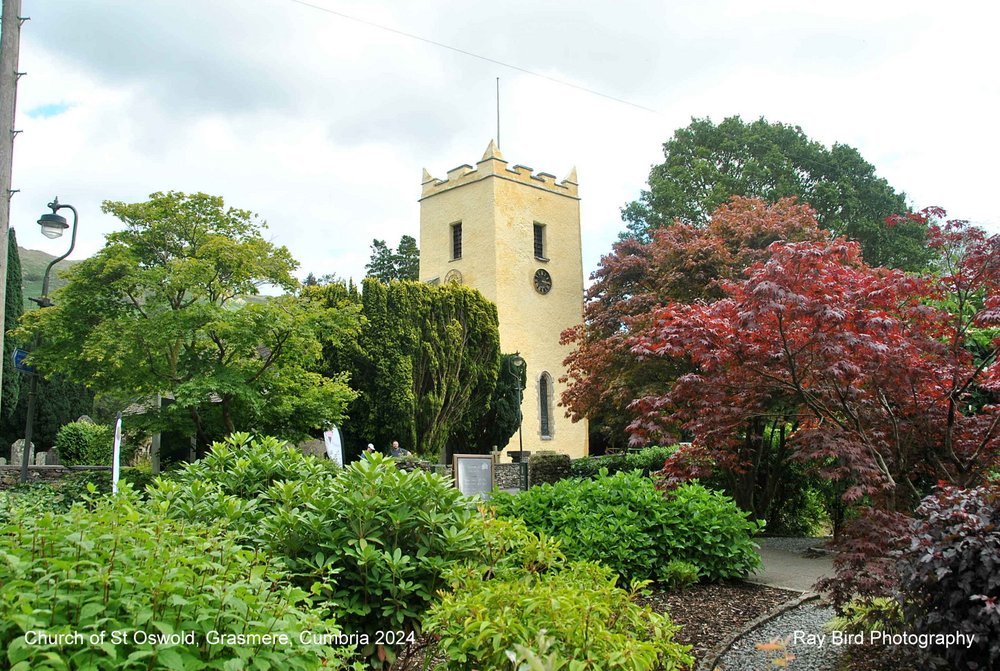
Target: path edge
column 711, row 660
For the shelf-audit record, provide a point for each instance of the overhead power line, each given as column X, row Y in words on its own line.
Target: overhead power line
column 472, row 54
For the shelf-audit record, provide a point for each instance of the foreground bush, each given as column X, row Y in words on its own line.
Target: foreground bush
column 76, row 486
column 371, row 540
column 623, row 522
column 520, row 600
column 950, row 575
column 119, row 569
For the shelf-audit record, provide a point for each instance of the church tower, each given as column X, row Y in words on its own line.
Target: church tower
column 514, row 236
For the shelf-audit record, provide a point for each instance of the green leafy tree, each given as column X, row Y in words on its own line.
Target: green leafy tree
column 706, row 164
column 500, row 422
column 408, row 259
column 425, row 364
column 445, row 342
column 163, row 309
column 386, row 265
column 59, row 401
column 13, row 308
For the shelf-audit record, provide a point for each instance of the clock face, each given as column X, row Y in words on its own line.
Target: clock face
column 543, row 281
column 453, row 277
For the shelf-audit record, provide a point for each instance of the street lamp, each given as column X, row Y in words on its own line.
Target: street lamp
column 517, row 365
column 53, row 225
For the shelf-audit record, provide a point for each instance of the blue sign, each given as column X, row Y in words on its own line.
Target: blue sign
column 19, row 356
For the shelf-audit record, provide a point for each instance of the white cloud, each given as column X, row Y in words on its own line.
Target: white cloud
column 321, row 124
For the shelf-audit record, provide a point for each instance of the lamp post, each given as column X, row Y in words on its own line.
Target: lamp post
column 517, row 364
column 53, row 226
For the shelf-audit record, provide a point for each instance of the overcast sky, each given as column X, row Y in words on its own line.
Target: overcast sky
column 322, row 124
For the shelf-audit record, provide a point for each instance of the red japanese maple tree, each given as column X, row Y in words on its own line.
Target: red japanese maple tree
column 882, row 380
column 681, row 263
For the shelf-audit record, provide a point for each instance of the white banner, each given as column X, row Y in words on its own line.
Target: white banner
column 117, row 455
column 334, row 445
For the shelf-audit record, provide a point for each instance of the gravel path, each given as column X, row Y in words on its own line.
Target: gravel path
column 790, row 631
column 786, row 564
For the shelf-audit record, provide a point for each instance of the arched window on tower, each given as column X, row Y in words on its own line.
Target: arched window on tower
column 545, row 405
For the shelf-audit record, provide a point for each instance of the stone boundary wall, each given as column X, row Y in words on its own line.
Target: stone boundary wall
column 10, row 476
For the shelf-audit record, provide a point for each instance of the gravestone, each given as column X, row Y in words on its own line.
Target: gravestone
column 473, row 474
column 3, row 461
column 16, row 453
column 40, row 458
column 52, row 457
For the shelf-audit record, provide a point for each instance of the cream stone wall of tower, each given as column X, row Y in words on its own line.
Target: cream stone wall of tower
column 498, row 208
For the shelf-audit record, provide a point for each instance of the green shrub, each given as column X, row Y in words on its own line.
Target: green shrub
column 88, row 444
column 647, row 460
column 585, row 618
column 505, row 547
column 29, row 501
column 371, row 540
column 864, row 615
column 119, row 569
column 802, row 510
column 707, row 529
column 74, row 486
column 624, row 522
column 232, row 480
column 591, row 467
column 547, row 467
column 246, row 466
column 679, row 575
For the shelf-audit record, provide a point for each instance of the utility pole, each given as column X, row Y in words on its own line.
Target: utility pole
column 10, row 43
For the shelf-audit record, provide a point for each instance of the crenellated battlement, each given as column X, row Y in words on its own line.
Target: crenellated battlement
column 493, row 165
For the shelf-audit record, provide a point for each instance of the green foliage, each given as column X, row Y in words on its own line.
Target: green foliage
column 370, row 540
column 426, row 363
column 679, row 575
column 623, row 522
column 538, row 658
column 588, row 622
column 864, row 615
column 29, row 501
column 501, row 421
column 232, row 480
column 386, row 265
column 715, row 535
column 706, row 164
column 120, row 569
column 59, row 401
column 647, row 460
column 508, row 548
column 87, row 444
column 162, row 309
column 81, row 485
column 547, row 467
column 802, row 509
column 13, row 308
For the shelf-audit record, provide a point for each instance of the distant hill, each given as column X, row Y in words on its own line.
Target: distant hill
column 33, row 264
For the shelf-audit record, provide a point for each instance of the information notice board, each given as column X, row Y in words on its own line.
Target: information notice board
column 474, row 474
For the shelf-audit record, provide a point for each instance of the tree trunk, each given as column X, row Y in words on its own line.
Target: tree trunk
column 199, row 430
